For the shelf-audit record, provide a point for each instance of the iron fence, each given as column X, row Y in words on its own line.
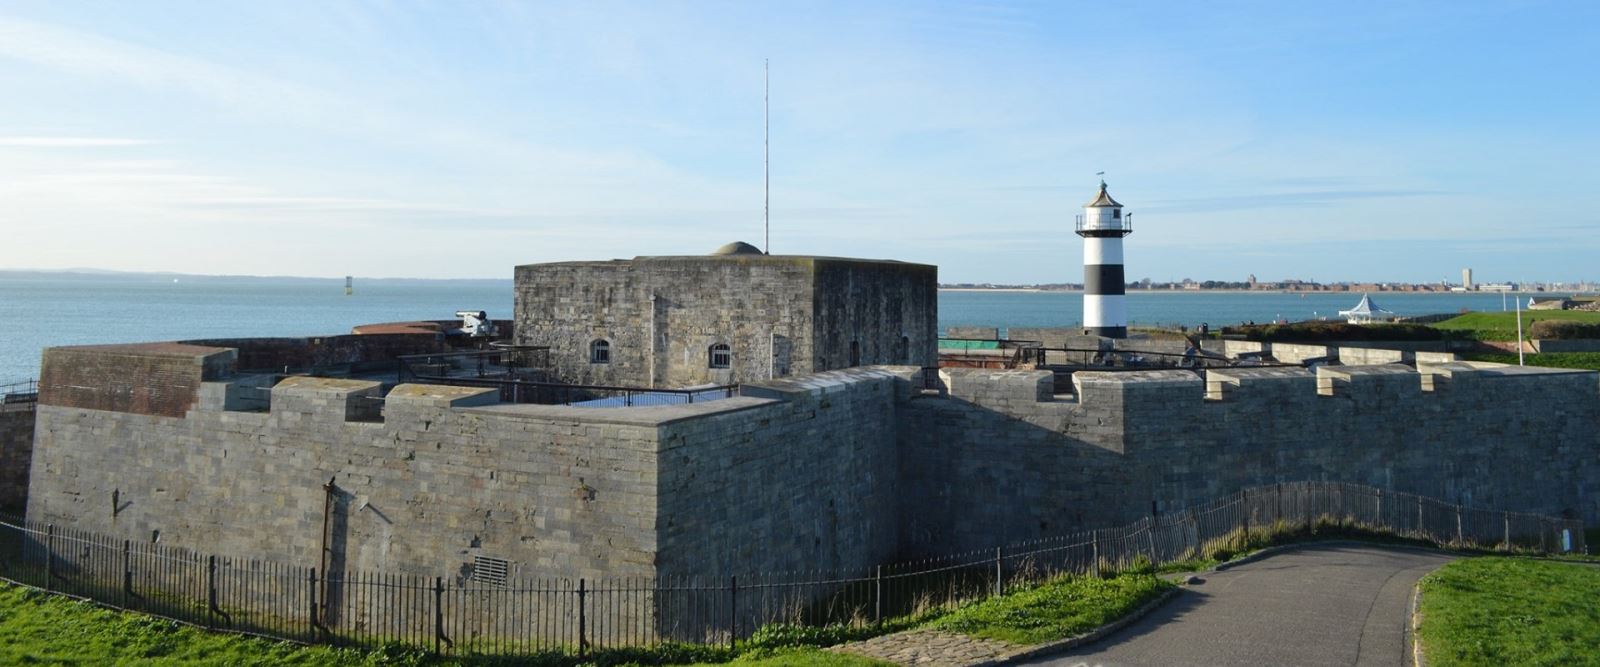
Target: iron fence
column 526, row 616
column 21, row 391
column 519, row 372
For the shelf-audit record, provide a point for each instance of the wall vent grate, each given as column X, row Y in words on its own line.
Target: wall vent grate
column 490, row 570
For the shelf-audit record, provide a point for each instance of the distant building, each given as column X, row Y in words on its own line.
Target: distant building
column 1466, row 279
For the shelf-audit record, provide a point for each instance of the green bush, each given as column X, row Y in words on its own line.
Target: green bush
column 1563, row 330
column 1320, row 332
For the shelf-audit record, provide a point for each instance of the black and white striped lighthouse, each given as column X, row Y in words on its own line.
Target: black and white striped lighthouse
column 1102, row 227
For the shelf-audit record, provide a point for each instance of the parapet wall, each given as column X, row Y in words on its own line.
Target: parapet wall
column 996, row 459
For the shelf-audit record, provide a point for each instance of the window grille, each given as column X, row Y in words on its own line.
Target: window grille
column 721, row 356
column 600, row 352
column 490, row 570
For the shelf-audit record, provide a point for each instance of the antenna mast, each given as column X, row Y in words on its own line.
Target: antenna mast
column 766, row 155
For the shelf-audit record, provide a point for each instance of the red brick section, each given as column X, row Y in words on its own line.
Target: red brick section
column 147, row 378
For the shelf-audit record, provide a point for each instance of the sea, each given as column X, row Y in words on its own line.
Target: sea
column 39, row 310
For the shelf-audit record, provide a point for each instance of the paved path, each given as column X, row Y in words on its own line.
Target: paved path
column 1333, row 604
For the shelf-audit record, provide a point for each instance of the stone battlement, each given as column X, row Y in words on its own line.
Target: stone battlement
column 835, row 470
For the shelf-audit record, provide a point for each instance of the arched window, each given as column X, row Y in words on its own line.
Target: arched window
column 855, row 353
column 600, row 351
column 904, row 355
column 721, row 356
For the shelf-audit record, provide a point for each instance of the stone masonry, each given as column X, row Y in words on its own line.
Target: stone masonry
column 16, row 450
column 780, row 316
column 839, row 470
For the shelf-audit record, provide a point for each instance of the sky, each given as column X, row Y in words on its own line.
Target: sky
column 1381, row 141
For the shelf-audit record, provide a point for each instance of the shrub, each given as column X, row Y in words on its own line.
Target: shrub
column 1563, row 330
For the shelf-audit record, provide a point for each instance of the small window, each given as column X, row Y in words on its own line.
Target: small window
column 1116, row 213
column 600, row 352
column 905, row 350
column 855, row 353
column 721, row 356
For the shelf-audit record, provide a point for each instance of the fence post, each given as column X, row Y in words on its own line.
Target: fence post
column 1246, row 496
column 1094, row 545
column 49, row 556
column 1460, row 538
column 733, row 611
column 311, row 582
column 1422, row 528
column 127, row 570
column 999, row 574
column 438, row 614
column 1507, row 518
column 211, row 591
column 583, row 621
column 877, row 595
column 1379, row 519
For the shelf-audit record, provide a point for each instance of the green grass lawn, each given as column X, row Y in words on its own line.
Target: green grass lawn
column 1055, row 610
column 41, row 629
column 1503, row 326
column 1510, row 611
column 1582, row 360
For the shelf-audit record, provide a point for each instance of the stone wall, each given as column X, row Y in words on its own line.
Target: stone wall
column 423, row 489
column 808, row 482
column 998, row 461
column 792, row 475
column 146, row 378
column 16, row 453
column 782, row 316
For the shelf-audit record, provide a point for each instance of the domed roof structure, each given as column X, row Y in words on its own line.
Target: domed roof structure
column 738, row 248
column 1103, row 200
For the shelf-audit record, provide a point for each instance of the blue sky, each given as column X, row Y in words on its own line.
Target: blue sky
column 1327, row 141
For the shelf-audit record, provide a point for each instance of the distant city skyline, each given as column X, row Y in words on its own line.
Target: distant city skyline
column 1390, row 142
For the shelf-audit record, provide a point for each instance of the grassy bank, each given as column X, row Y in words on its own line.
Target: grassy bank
column 1057, row 609
column 1581, row 360
column 1510, row 611
column 1503, row 326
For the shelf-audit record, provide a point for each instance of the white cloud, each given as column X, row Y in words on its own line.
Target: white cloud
column 70, row 142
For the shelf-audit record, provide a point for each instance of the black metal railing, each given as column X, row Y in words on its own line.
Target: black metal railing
column 22, row 391
column 526, row 614
column 512, row 371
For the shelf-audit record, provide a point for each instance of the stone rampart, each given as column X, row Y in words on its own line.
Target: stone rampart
column 428, row 479
column 986, row 465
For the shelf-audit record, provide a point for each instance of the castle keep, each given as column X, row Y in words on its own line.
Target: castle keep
column 841, row 449
column 736, row 315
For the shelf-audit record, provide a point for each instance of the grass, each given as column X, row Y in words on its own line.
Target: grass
column 1503, row 326
column 42, row 629
column 1581, row 360
column 37, row 628
column 1510, row 611
column 1056, row 609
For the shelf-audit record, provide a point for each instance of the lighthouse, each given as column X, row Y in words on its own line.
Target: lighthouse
column 1102, row 226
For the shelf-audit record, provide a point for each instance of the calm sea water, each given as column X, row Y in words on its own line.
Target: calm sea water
column 39, row 311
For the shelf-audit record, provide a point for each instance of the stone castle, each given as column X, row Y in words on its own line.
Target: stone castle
column 844, row 446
